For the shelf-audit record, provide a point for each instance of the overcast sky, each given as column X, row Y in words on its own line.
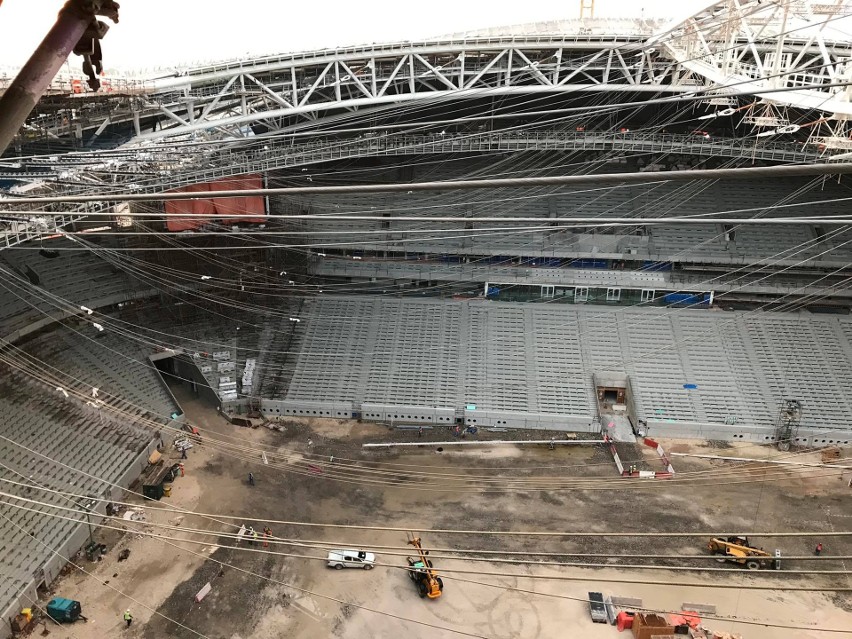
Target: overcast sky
column 161, row 33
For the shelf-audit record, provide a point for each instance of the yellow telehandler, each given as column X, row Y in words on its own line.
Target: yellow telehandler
column 739, row 550
column 420, row 570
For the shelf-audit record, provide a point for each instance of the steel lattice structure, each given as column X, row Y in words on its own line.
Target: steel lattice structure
column 760, row 47
column 787, row 53
column 747, row 54
column 273, row 92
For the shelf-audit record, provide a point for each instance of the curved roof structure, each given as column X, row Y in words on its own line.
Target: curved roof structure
column 787, row 54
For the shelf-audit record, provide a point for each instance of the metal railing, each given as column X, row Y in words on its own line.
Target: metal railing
column 278, row 156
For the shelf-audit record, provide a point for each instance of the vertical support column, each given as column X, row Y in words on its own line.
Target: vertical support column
column 558, row 66
column 532, row 360
column 465, row 339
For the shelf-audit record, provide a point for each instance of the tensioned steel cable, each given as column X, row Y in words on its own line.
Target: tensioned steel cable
column 135, row 527
column 57, row 298
column 72, row 306
column 746, row 173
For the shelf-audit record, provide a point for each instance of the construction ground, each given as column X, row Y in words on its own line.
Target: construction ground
column 257, row 595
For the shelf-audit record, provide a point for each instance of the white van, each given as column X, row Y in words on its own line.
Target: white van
column 351, row 559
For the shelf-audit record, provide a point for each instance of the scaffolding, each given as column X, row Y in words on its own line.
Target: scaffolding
column 789, row 420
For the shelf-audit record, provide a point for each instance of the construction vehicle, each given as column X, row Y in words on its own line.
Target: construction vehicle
column 420, row 570
column 739, row 550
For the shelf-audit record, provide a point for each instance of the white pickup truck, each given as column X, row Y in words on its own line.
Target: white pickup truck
column 339, row 559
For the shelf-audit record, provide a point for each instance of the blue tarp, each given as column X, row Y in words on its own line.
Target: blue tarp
column 687, row 299
column 588, row 263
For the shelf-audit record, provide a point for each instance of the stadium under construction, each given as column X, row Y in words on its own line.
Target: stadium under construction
column 552, row 227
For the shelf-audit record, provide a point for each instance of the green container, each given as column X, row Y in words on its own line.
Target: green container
column 153, row 491
column 64, row 610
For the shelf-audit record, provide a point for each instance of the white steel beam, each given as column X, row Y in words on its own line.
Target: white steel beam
column 224, row 90
column 354, row 77
column 760, row 46
column 408, row 97
column 272, row 94
column 437, row 73
column 316, row 83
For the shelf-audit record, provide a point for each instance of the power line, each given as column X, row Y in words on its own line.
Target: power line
column 497, row 556
column 236, row 537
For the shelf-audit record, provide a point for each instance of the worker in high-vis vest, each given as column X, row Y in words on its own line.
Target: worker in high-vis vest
column 128, row 618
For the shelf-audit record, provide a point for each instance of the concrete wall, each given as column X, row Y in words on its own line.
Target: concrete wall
column 820, row 438
column 610, row 379
column 272, row 408
column 538, row 421
column 429, row 416
column 816, row 438
column 27, row 596
column 186, row 369
column 482, row 418
column 164, row 385
column 632, row 413
column 441, row 415
column 698, row 430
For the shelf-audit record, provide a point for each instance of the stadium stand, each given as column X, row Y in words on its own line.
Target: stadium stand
column 668, row 242
column 116, row 365
column 57, row 443
column 77, row 278
column 534, row 364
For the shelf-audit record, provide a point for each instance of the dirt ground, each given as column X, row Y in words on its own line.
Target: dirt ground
column 256, row 595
